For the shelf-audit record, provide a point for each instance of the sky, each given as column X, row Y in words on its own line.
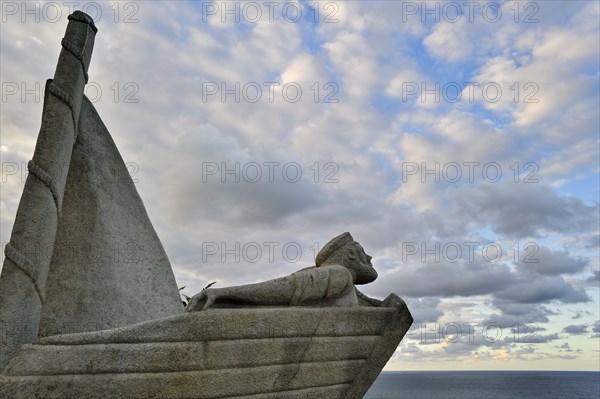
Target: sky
column 457, row 142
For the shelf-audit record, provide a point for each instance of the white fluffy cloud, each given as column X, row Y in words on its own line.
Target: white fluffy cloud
column 450, row 41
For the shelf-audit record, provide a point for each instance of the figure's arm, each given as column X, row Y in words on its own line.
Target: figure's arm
column 273, row 292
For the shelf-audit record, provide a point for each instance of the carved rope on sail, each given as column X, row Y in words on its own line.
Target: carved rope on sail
column 26, row 266
column 46, row 178
column 60, row 93
column 79, row 53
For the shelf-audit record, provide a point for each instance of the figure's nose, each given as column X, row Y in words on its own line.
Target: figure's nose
column 369, row 257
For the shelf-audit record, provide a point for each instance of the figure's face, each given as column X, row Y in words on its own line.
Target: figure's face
column 360, row 265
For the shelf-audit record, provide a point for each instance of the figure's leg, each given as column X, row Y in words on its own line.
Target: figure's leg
column 332, row 284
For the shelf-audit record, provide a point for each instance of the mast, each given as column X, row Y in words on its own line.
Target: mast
column 28, row 254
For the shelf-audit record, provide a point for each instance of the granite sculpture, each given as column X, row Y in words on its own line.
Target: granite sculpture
column 80, row 322
column 339, row 265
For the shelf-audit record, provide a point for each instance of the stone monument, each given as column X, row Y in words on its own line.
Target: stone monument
column 76, row 325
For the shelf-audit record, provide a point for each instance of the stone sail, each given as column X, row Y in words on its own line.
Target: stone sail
column 82, row 253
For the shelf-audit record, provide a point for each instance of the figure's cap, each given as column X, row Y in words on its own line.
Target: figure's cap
column 332, row 246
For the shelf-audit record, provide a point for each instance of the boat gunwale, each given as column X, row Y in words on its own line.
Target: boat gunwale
column 352, row 315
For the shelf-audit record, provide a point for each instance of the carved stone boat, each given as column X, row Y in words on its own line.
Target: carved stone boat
column 327, row 353
column 113, row 328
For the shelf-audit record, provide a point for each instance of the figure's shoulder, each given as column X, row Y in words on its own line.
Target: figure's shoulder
column 334, row 268
column 325, row 268
column 324, row 271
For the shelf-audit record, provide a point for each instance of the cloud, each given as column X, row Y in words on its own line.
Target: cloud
column 578, row 329
column 542, row 289
column 350, row 53
column 455, row 151
column 425, row 310
column 398, row 85
column 548, row 262
column 519, row 314
column 215, row 178
column 450, row 41
column 595, row 278
column 532, row 211
column 571, row 158
column 541, row 339
column 538, row 62
column 449, row 279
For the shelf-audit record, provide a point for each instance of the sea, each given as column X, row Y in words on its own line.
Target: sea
column 486, row 385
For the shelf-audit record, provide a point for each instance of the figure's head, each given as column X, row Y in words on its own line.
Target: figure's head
column 343, row 250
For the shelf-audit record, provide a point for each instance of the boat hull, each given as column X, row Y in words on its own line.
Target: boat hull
column 221, row 353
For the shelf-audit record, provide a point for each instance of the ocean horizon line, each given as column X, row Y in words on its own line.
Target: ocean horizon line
column 491, row 370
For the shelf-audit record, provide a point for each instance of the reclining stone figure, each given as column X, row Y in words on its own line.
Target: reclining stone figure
column 340, row 265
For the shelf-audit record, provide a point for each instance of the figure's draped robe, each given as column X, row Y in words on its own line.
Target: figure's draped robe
column 324, row 286
column 83, row 255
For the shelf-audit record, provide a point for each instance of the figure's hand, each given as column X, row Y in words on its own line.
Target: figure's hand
column 202, row 301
